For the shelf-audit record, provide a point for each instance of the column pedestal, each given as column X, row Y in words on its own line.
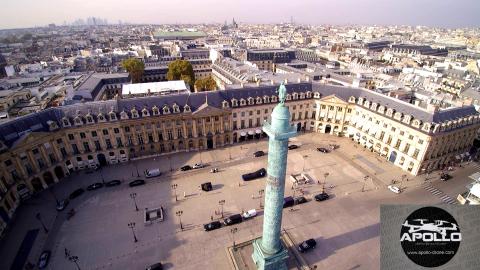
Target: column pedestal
column 266, row 261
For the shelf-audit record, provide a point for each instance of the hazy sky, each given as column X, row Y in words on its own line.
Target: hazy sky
column 444, row 13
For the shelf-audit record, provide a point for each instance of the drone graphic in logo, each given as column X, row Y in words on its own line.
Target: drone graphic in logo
column 435, row 226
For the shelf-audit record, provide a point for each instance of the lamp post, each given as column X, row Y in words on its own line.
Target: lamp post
column 233, row 231
column 260, row 193
column 101, row 175
column 364, row 182
column 74, row 259
column 37, row 216
column 304, row 159
column 170, row 162
column 53, row 195
column 133, row 196
column 136, row 167
column 131, row 225
column 221, row 202
column 325, row 175
column 179, row 215
column 174, row 187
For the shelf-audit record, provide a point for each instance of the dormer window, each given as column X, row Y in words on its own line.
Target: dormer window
column 145, row 112
column 89, row 119
column 360, row 101
column 390, row 112
column 134, row 113
column 381, row 109
column 243, row 102
column 266, row 99
column 295, row 95
column 176, row 109
column 366, row 103
column 426, row 127
column 302, row 95
column 274, row 99
column 374, row 106
column 155, row 110
column 65, row 122
column 407, row 119
column 224, row 104
column 351, row 99
column 289, row 97
column 78, row 121
column 317, row 95
column 250, row 101
column 309, row 94
column 234, row 102
column 259, row 100
column 398, row 115
column 166, row 109
column 123, row 115
column 112, row 116
column 416, row 123
column 101, row 118
column 186, row 108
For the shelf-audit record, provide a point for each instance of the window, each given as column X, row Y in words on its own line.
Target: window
column 52, row 158
column 250, row 113
column 41, row 164
column 129, row 140
column 86, row 146
column 75, row 149
column 64, row 152
column 108, row 143
column 8, row 162
column 71, row 137
column 415, row 154
column 402, row 133
column 407, row 147
column 398, row 143
column 94, row 133
column 59, row 141
column 35, row 151
column 98, row 147
column 234, row 115
column 127, row 129
column 340, row 109
column 410, row 137
column 242, row 114
column 420, row 141
column 116, row 130
column 119, row 142
column 105, row 132
column 349, row 110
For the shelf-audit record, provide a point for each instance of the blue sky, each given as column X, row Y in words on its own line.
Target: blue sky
column 443, row 13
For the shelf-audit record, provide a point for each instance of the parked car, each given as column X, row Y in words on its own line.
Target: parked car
column 62, row 204
column 250, row 214
column 44, row 258
column 157, row 266
column 445, row 176
column 300, row 200
column 152, row 173
column 321, row 197
column 94, row 186
column 254, row 175
column 137, row 182
column 113, row 183
column 288, row 202
column 394, row 189
column 233, row 219
column 307, row 245
column 185, row 168
column 292, row 146
column 199, row 165
column 323, row 150
column 212, row 226
column 258, row 154
column 76, row 193
column 207, row 186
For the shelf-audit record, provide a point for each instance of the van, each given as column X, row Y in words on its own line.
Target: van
column 254, row 175
column 152, row 173
column 207, row 186
column 233, row 219
column 288, row 202
column 250, row 214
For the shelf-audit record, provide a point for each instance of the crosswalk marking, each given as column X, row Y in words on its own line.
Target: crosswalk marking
column 444, row 197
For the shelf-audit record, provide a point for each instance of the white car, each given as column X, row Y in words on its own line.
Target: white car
column 394, row 189
column 198, row 165
column 250, row 214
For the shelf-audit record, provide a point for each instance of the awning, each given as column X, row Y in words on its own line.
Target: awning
column 258, row 131
column 243, row 134
column 250, row 132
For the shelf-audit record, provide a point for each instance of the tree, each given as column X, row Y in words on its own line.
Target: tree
column 181, row 70
column 135, row 67
column 206, row 84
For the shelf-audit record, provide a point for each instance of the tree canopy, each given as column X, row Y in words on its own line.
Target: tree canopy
column 181, row 70
column 135, row 67
column 206, row 84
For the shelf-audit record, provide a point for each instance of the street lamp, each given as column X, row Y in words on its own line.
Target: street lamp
column 170, row 161
column 233, row 231
column 179, row 215
column 221, row 202
column 74, row 259
column 131, row 225
column 260, row 193
column 53, row 195
column 323, row 186
column 37, row 216
column 136, row 167
column 101, row 175
column 304, row 159
column 174, row 187
column 364, row 182
column 133, row 196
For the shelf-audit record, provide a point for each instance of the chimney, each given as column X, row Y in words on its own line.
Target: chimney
column 258, row 83
column 307, row 79
column 286, row 81
column 417, row 102
column 299, row 80
column 241, row 85
column 271, row 82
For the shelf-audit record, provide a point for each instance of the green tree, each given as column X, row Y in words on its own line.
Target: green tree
column 135, row 67
column 181, row 70
column 206, row 84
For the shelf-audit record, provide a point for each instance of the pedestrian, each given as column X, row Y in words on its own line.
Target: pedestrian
column 318, row 182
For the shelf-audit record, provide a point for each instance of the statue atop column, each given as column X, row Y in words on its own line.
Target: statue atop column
column 282, row 93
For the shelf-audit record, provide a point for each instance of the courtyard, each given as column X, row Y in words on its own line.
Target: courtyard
column 346, row 227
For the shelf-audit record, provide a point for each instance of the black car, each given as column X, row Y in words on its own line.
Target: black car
column 212, row 226
column 62, row 204
column 157, row 266
column 113, row 183
column 137, row 182
column 300, row 200
column 445, row 176
column 321, row 197
column 292, row 146
column 207, row 186
column 323, row 150
column 307, row 245
column 258, row 154
column 233, row 219
column 254, row 175
column 288, row 202
column 43, row 260
column 186, row 168
column 94, row 186
column 76, row 193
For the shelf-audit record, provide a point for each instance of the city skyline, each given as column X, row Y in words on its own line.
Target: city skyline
column 449, row 13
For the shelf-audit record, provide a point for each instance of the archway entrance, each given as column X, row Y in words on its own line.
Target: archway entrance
column 234, row 137
column 59, row 172
column 299, row 127
column 101, row 159
column 48, row 178
column 209, row 141
column 393, row 157
column 37, row 184
column 328, row 129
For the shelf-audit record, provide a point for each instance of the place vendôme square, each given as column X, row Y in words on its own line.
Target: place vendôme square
column 239, row 135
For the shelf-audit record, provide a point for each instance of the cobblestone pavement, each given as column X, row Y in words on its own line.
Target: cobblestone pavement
column 344, row 226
